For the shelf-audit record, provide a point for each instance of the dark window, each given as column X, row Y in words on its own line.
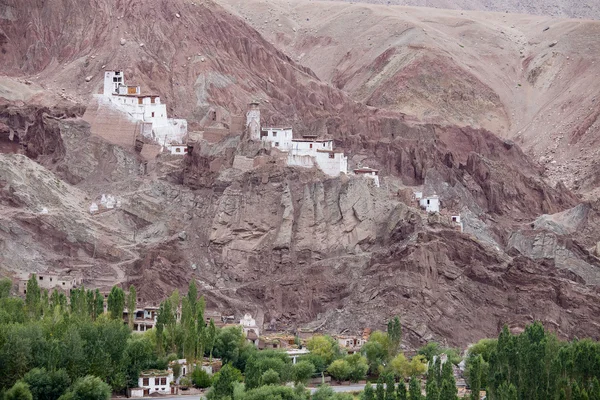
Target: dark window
column 115, row 79
column 264, row 134
column 163, row 381
column 41, row 278
column 146, row 382
column 276, row 144
column 63, row 283
column 323, row 144
column 274, row 134
column 178, row 150
column 310, row 145
column 427, row 202
column 331, row 155
column 153, row 115
column 50, row 279
column 118, row 73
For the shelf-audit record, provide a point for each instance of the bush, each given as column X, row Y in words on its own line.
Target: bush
column 324, row 392
column 20, row 391
column 201, row 379
column 340, row 370
column 88, row 388
column 270, row 377
column 46, row 385
column 302, row 371
column 185, row 382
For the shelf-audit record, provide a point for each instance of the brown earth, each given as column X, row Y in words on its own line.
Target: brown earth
column 503, row 72
column 284, row 243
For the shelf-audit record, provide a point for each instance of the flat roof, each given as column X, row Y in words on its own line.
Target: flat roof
column 137, row 95
column 312, row 140
column 266, row 128
column 330, row 151
column 366, row 170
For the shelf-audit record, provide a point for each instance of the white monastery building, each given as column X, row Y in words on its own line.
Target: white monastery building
column 146, row 108
column 307, row 152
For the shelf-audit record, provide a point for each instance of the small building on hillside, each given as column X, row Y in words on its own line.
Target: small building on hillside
column 351, row 344
column 178, row 149
column 253, row 121
column 431, row 204
column 156, row 381
column 250, row 329
column 144, row 318
column 368, row 173
column 64, row 280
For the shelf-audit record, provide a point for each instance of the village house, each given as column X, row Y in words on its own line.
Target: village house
column 431, row 204
column 250, row 329
column 351, row 344
column 369, row 173
column 146, row 108
column 64, row 280
column 144, row 318
column 155, row 381
column 208, row 366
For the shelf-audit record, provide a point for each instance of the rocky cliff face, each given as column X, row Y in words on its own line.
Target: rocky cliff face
column 286, row 244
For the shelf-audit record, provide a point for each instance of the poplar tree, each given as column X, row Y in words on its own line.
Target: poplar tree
column 98, row 304
column 33, row 296
column 131, row 305
column 368, row 393
column 401, row 393
column 116, row 303
column 475, row 377
column 390, row 387
column 414, row 389
column 432, row 389
column 448, row 389
column 394, row 332
column 379, row 391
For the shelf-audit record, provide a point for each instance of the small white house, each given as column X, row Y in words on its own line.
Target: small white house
column 155, row 381
column 418, row 195
column 456, row 220
column 295, row 353
column 431, row 204
column 369, row 173
column 93, row 208
column 250, row 328
column 178, row 149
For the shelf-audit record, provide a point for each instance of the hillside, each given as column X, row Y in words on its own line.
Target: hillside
column 526, row 78
column 291, row 244
column 555, row 8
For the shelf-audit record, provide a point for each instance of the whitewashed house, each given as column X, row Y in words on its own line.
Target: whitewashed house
column 431, row 204
column 368, row 173
column 250, row 329
column 155, row 381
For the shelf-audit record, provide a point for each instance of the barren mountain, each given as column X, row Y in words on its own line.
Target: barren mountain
column 530, row 79
column 556, row 8
column 290, row 244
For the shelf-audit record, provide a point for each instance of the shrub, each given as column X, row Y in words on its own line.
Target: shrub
column 201, row 379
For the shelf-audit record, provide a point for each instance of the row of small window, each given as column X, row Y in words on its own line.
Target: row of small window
column 146, row 381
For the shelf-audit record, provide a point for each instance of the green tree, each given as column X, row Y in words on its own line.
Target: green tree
column 448, row 389
column 33, row 296
column 47, row 385
column 98, row 304
column 20, row 391
column 394, row 332
column 201, row 379
column 376, row 350
column 340, row 370
column 302, row 371
column 379, row 390
column 270, row 377
column 323, row 392
column 595, row 390
column 131, row 304
column 116, row 303
column 88, row 388
column 414, row 389
column 433, row 392
column 223, row 381
column 325, row 347
column 475, row 377
column 390, row 387
column 401, row 393
column 5, row 287
column 368, row 393
column 358, row 367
